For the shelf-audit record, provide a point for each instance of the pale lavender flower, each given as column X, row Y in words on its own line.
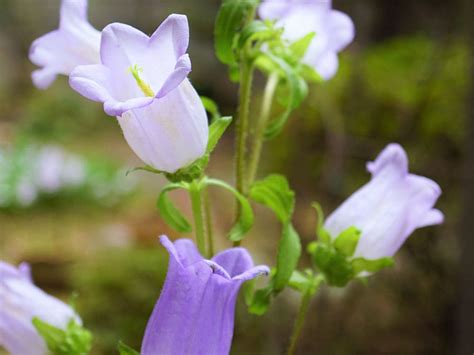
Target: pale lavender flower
column 74, row 43
column 20, row 302
column 333, row 30
column 143, row 81
column 388, row 208
column 195, row 312
column 56, row 169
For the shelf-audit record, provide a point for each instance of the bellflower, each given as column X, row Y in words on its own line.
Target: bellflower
column 20, row 302
column 333, row 30
column 143, row 81
column 195, row 312
column 388, row 208
column 74, row 43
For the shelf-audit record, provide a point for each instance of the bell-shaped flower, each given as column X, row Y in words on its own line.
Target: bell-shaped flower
column 388, row 208
column 195, row 312
column 333, row 29
column 74, row 43
column 143, row 81
column 20, row 302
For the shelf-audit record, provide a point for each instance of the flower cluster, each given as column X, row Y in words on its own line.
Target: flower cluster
column 29, row 173
column 143, row 81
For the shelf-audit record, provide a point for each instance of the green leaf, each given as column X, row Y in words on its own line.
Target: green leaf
column 297, row 91
column 216, row 130
column 347, row 241
column 361, row 264
column 211, row 107
column 289, row 252
column 261, row 301
column 170, row 214
column 245, row 221
column 300, row 47
column 232, row 17
column 75, row 340
column 274, row 192
column 126, row 350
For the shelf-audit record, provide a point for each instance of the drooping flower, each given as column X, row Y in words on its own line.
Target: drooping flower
column 74, row 43
column 195, row 312
column 20, row 302
column 143, row 81
column 388, row 208
column 333, row 30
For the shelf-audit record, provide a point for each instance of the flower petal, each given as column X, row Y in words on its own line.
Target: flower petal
column 181, row 71
column 171, row 133
column 194, row 314
column 235, row 261
column 75, row 43
column 342, row 31
column 389, row 208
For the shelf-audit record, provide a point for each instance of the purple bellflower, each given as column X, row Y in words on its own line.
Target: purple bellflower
column 388, row 208
column 143, row 81
column 74, row 43
column 20, row 302
column 333, row 30
column 195, row 312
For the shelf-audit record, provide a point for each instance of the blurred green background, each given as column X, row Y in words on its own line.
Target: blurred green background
column 405, row 79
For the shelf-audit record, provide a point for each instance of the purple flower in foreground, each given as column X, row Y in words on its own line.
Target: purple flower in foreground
column 20, row 302
column 143, row 81
column 75, row 43
column 333, row 30
column 195, row 312
column 388, row 208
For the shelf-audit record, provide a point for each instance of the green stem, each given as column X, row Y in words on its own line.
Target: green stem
column 196, row 203
column 242, row 124
column 207, row 213
column 302, row 312
column 262, row 123
column 242, row 127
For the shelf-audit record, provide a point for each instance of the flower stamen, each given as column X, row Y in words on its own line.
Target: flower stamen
column 144, row 87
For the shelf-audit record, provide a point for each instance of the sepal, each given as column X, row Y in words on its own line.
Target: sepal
column 74, row 340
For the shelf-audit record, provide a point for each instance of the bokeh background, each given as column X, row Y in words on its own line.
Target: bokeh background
column 405, row 79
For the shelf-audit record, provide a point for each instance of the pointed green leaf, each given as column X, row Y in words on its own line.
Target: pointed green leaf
column 347, row 241
column 274, row 192
column 216, row 130
column 170, row 214
column 245, row 221
column 321, row 232
column 126, row 350
column 361, row 264
column 300, row 47
column 232, row 17
column 289, row 252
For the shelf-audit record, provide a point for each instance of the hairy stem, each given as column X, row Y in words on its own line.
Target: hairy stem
column 196, row 203
column 208, row 218
column 303, row 310
column 242, row 128
column 262, row 122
